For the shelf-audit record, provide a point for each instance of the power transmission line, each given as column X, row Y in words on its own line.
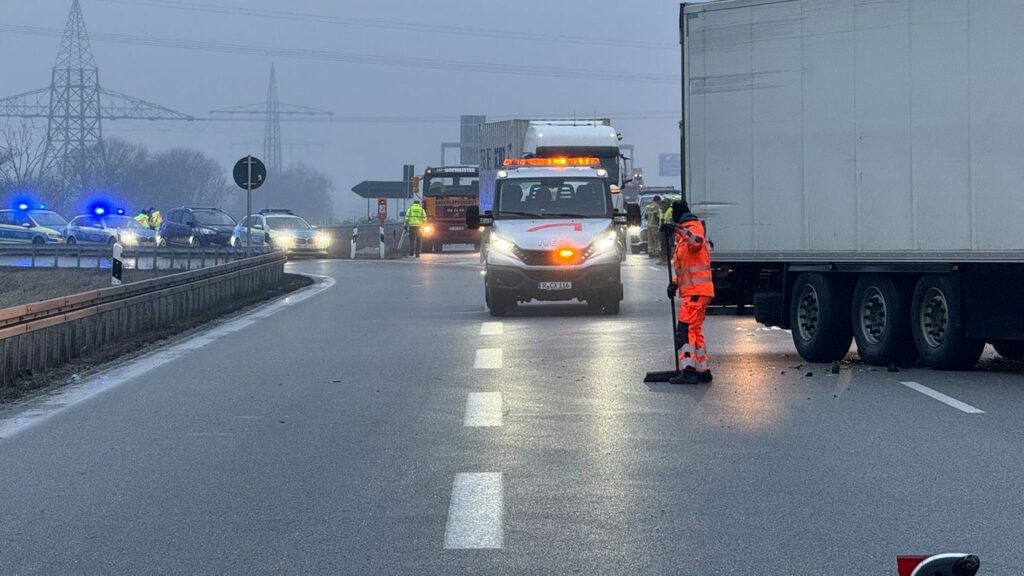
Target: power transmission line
column 352, row 57
column 392, row 24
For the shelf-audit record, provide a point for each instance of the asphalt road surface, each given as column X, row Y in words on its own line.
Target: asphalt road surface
column 383, row 423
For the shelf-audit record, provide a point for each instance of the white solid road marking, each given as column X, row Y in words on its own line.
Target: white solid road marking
column 492, row 329
column 655, row 268
column 51, row 404
column 476, row 511
column 488, row 359
column 949, row 401
column 483, row 409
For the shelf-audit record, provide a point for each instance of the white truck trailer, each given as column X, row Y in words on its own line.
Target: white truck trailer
column 860, row 166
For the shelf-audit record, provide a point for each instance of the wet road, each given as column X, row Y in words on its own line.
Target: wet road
column 383, row 423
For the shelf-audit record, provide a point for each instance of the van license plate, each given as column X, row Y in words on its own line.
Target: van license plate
column 555, row 286
column 455, row 228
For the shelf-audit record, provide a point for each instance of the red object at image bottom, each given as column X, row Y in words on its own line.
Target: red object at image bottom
column 938, row 565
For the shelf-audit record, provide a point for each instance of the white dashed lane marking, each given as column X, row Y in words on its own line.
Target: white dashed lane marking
column 488, row 359
column 475, row 515
column 492, row 329
column 947, row 400
column 483, row 409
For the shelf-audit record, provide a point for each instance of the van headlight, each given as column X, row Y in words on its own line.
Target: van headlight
column 499, row 244
column 609, row 242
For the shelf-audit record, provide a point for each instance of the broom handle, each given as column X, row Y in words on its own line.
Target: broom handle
column 666, row 241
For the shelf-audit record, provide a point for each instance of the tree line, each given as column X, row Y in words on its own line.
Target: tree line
column 134, row 178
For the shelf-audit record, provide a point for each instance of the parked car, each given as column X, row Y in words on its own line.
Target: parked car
column 94, row 229
column 281, row 229
column 196, row 226
column 20, row 227
column 47, row 218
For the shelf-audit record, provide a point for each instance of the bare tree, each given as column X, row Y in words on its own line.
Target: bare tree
column 21, row 157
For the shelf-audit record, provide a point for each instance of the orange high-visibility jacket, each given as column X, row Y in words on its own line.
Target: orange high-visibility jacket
column 692, row 261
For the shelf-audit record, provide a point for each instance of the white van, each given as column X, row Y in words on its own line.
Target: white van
column 554, row 235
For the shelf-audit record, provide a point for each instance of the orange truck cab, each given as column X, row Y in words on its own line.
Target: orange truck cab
column 447, row 191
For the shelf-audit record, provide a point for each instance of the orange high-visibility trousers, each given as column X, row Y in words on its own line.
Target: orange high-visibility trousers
column 690, row 333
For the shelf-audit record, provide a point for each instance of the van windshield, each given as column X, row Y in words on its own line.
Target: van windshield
column 553, row 198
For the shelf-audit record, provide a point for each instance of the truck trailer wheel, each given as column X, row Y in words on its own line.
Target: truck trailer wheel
column 768, row 308
column 881, row 320
column 820, row 318
column 937, row 326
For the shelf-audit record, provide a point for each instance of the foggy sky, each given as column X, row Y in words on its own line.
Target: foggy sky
column 196, row 82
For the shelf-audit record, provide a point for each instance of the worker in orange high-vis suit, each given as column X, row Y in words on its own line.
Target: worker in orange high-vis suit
column 691, row 262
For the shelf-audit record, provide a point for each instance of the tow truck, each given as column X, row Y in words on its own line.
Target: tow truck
column 553, row 234
column 447, row 192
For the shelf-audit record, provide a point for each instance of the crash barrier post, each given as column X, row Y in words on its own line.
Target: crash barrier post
column 43, row 335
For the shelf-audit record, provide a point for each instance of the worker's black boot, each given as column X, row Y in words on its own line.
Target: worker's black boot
column 705, row 377
column 687, row 376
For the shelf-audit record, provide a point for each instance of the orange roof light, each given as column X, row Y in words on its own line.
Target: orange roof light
column 559, row 161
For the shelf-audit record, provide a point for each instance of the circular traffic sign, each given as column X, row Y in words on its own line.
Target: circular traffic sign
column 250, row 173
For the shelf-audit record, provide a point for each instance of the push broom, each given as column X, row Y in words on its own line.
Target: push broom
column 666, row 245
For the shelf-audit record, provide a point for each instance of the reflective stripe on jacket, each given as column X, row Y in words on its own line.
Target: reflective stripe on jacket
column 692, row 261
column 415, row 215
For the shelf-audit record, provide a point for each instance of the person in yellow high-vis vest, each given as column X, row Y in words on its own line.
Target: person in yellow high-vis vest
column 415, row 218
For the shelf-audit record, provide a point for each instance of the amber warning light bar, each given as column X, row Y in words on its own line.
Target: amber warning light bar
column 560, row 161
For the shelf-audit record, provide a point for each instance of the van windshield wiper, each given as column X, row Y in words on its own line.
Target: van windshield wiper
column 514, row 213
column 567, row 215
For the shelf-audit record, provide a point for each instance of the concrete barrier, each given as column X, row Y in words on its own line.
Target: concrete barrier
column 40, row 336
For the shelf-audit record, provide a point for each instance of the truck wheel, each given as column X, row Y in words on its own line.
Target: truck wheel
column 768, row 308
column 820, row 318
column 499, row 303
column 881, row 320
column 1010, row 349
column 937, row 326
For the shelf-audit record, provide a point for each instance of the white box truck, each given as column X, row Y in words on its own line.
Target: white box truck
column 547, row 138
column 860, row 166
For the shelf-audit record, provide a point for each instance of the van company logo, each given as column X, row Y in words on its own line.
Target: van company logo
column 576, row 226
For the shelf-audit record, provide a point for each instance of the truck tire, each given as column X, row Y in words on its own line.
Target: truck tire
column 820, row 318
column 499, row 303
column 937, row 325
column 768, row 308
column 1009, row 349
column 881, row 320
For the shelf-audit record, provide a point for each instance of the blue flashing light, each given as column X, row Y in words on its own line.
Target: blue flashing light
column 120, row 212
column 99, row 210
column 23, row 206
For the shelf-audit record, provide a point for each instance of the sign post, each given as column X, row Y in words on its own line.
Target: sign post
column 249, row 173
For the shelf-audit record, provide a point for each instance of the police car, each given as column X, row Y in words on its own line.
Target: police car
column 24, row 226
column 101, row 228
column 281, row 229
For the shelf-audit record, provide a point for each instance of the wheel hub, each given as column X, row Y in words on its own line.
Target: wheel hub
column 934, row 317
column 873, row 315
column 808, row 313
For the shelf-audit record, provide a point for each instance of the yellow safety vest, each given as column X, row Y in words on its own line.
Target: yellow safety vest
column 415, row 215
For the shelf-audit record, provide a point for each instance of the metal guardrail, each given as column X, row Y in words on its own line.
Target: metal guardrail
column 139, row 257
column 42, row 335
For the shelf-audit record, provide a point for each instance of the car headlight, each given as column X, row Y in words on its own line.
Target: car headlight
column 129, row 238
column 207, row 231
column 499, row 244
column 54, row 235
column 323, row 239
column 285, row 240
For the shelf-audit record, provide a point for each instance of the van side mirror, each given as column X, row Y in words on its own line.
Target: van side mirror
column 633, row 216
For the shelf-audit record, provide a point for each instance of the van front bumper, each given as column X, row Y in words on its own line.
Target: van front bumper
column 599, row 281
